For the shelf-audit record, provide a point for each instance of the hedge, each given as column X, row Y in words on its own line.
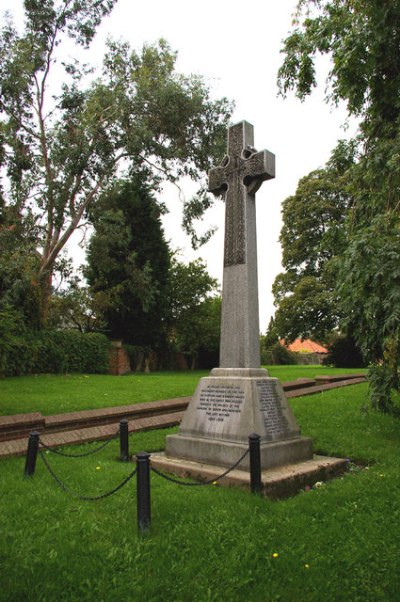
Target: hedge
column 55, row 352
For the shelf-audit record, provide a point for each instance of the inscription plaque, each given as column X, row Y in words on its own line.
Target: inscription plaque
column 276, row 423
column 220, row 402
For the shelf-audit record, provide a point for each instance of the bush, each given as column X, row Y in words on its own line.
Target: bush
column 137, row 356
column 15, row 350
column 52, row 351
column 380, row 379
column 72, row 351
column 343, row 353
column 281, row 356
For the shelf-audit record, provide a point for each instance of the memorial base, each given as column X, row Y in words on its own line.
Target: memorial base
column 226, row 408
column 226, row 453
column 277, row 483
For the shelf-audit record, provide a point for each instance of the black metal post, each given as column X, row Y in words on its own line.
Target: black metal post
column 143, row 491
column 31, row 454
column 255, row 463
column 124, row 440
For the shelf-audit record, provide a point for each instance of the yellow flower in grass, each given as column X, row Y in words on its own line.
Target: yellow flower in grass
column 275, row 555
column 306, row 566
column 98, row 467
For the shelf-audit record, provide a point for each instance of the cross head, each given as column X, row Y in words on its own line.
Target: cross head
column 240, row 175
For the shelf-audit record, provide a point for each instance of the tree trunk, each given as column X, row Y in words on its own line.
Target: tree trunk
column 45, row 289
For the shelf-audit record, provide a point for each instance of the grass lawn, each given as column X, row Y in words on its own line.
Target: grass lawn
column 339, row 542
column 54, row 394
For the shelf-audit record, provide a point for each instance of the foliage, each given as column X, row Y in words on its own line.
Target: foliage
column 198, row 331
column 76, row 307
column 267, row 341
column 18, row 264
column 307, row 312
column 281, row 356
column 64, row 134
column 370, row 284
column 344, row 353
column 72, row 351
column 370, row 292
column 381, row 383
column 128, row 262
column 362, row 38
column 194, row 315
column 138, row 354
column 312, row 237
column 15, row 354
column 50, row 351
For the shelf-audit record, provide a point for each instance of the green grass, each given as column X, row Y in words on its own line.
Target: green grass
column 55, row 394
column 212, row 543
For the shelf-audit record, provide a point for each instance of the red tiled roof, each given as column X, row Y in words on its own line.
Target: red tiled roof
column 306, row 346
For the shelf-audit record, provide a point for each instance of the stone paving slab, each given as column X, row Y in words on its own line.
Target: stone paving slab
column 11, row 426
column 99, row 416
column 332, row 378
column 300, row 383
column 19, row 426
column 18, row 447
column 276, row 482
column 325, row 387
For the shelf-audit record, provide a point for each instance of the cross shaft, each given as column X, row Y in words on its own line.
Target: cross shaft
column 238, row 178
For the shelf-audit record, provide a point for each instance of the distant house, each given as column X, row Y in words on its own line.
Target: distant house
column 307, row 351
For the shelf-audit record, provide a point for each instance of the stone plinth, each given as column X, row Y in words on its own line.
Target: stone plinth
column 226, row 408
column 277, row 482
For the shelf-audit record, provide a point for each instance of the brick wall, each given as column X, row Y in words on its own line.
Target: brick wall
column 118, row 359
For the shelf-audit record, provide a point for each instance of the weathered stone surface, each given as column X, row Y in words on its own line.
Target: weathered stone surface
column 238, row 178
column 239, row 398
column 277, row 483
column 226, row 408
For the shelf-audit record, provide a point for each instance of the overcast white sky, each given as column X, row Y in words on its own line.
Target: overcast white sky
column 236, row 46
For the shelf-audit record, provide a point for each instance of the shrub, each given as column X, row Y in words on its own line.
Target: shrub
column 137, row 355
column 15, row 345
column 72, row 351
column 52, row 351
column 343, row 353
column 381, row 383
column 282, row 356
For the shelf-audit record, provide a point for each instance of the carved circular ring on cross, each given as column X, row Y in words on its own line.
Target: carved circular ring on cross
column 248, row 152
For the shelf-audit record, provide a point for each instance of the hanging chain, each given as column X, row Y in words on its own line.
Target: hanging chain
column 210, row 482
column 82, row 455
column 77, row 495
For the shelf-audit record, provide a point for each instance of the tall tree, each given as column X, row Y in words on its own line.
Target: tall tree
column 19, row 263
column 194, row 310
column 312, row 238
column 61, row 144
column 362, row 38
column 128, row 262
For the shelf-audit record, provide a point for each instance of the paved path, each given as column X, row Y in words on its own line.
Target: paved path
column 17, row 447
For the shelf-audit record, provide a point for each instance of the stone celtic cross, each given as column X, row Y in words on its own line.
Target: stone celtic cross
column 238, row 178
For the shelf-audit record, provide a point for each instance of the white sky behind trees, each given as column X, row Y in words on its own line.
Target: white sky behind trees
column 236, row 47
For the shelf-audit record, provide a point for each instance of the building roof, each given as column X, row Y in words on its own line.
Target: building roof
column 306, row 346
